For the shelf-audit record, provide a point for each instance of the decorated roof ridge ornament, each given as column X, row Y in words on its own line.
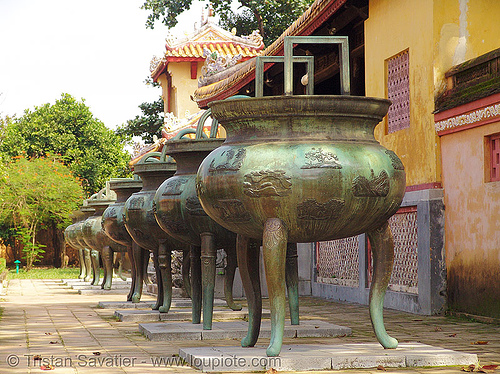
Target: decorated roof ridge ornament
column 216, row 63
column 210, row 33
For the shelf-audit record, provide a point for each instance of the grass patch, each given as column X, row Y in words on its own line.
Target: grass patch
column 44, row 273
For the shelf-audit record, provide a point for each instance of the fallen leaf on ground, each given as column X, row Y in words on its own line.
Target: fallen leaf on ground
column 271, row 371
column 48, row 333
column 469, row 368
column 53, row 342
column 380, row 367
column 479, row 342
column 490, row 367
column 452, row 335
column 487, row 368
column 417, row 320
column 47, row 367
column 37, row 357
column 438, row 328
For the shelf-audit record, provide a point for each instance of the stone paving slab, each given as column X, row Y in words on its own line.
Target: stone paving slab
column 237, row 330
column 176, row 303
column 323, row 357
column 176, row 314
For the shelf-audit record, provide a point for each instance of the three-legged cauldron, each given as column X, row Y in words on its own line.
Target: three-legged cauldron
column 74, row 238
column 141, row 224
column 96, row 239
column 179, row 213
column 302, row 169
column 113, row 224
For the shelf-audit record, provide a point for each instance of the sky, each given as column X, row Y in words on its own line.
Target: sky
column 98, row 50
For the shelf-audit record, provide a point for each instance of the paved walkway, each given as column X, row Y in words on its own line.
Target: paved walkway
column 43, row 319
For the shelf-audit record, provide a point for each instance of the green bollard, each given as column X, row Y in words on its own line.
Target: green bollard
column 17, row 262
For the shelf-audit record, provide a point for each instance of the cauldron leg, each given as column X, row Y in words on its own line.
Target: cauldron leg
column 96, row 269
column 159, row 281
column 140, row 257
column 383, row 258
column 107, row 259
column 82, row 264
column 195, row 284
column 248, row 262
column 88, row 265
column 229, row 278
column 274, row 242
column 208, row 256
column 186, row 264
column 165, row 261
column 120, row 256
column 133, row 273
column 292, row 282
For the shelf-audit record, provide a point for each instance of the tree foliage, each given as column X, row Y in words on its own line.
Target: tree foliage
column 270, row 17
column 36, row 193
column 92, row 152
column 146, row 125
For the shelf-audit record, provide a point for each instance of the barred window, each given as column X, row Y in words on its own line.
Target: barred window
column 398, row 91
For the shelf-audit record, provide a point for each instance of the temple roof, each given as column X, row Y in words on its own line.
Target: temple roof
column 306, row 24
column 210, row 37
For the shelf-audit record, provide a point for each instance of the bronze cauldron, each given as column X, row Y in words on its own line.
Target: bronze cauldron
column 301, row 169
column 96, row 239
column 113, row 225
column 71, row 238
column 179, row 213
column 142, row 227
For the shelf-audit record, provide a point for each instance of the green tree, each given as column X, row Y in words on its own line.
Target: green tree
column 68, row 128
column 37, row 193
column 270, row 17
column 145, row 125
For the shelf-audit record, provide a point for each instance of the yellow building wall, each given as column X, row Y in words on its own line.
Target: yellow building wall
column 472, row 219
column 463, row 30
column 394, row 26
column 183, row 88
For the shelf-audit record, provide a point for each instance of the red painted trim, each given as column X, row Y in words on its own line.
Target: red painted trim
column 471, row 126
column 407, row 209
column 194, row 69
column 465, row 109
column 424, row 186
column 469, row 107
column 169, row 92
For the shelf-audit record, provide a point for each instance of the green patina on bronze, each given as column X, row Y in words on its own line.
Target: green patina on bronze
column 113, row 224
column 141, row 224
column 74, row 238
column 179, row 213
column 97, row 240
column 309, row 169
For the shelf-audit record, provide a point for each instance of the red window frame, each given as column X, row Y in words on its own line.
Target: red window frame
column 494, row 141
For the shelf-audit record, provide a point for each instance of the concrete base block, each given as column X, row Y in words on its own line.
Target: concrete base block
column 307, row 357
column 177, row 314
column 176, row 303
column 114, row 286
column 125, row 304
column 237, row 330
column 100, row 291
